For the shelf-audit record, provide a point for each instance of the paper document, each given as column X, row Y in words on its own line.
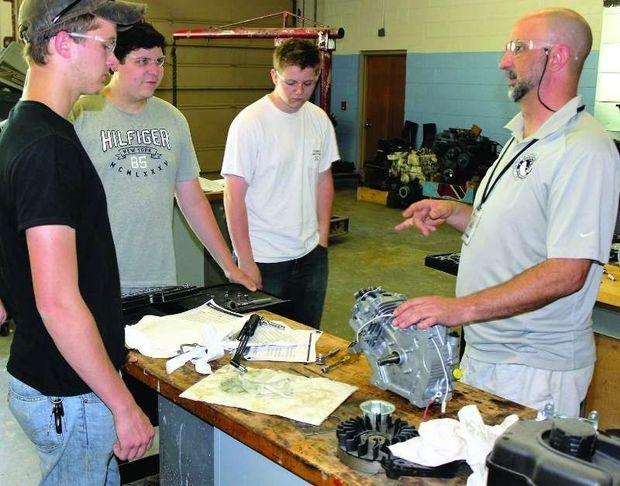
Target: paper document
column 216, row 328
column 162, row 337
column 294, row 345
column 308, row 400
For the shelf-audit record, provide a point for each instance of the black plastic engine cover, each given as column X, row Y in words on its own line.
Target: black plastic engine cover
column 523, row 455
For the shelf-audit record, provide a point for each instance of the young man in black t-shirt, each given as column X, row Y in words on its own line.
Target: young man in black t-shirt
column 57, row 254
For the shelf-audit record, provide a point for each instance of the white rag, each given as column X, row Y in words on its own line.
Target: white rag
column 445, row 440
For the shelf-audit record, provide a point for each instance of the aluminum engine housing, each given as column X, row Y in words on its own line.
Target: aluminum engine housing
column 416, row 364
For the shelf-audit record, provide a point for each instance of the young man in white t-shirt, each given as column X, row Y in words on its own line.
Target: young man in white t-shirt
column 279, row 187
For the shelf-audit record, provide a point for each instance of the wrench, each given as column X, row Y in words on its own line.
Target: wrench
column 320, row 359
column 328, row 368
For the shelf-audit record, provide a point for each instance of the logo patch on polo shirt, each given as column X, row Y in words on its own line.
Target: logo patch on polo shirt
column 524, row 165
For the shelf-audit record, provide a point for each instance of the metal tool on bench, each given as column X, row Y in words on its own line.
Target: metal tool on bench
column 320, row 359
column 247, row 331
column 340, row 362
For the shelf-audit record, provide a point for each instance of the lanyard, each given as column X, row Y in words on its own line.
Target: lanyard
column 489, row 187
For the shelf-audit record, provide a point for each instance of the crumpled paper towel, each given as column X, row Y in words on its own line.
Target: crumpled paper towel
column 199, row 355
column 446, row 440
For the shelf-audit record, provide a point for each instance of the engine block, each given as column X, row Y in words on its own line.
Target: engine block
column 416, row 364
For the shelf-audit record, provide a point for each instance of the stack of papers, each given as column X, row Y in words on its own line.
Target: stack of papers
column 275, row 341
column 216, row 329
column 162, row 337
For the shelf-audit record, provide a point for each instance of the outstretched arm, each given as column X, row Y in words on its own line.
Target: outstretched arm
column 534, row 288
column 237, row 220
column 198, row 213
column 428, row 214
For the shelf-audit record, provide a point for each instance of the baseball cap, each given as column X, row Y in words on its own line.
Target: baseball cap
column 42, row 15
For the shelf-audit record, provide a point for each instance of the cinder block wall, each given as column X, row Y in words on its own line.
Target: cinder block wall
column 453, row 49
column 608, row 84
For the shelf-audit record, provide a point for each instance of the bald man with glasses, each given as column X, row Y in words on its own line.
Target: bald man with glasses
column 58, row 270
column 142, row 149
column 539, row 231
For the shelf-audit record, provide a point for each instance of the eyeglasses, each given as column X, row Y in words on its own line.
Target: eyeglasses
column 516, row 47
column 108, row 44
column 147, row 61
column 292, row 83
column 64, row 11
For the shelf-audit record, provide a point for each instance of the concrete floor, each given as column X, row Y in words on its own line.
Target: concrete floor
column 371, row 254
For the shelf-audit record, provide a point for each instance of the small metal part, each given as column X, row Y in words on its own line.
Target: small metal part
column 312, row 371
column 549, row 413
column 610, row 276
column 247, row 331
column 242, row 303
column 328, row 368
column 58, row 411
column 320, row 359
column 317, row 430
column 593, row 418
column 392, row 358
column 377, row 412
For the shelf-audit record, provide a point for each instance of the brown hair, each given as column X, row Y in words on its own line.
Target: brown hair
column 296, row 52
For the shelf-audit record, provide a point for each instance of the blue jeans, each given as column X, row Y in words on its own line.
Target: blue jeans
column 82, row 452
column 303, row 281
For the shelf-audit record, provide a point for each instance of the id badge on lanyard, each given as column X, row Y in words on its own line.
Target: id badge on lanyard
column 476, row 213
column 474, row 221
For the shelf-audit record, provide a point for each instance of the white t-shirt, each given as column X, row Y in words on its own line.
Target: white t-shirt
column 280, row 156
column 558, row 200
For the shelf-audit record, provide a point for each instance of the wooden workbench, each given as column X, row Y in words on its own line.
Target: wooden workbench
column 312, row 458
column 602, row 394
column 609, row 291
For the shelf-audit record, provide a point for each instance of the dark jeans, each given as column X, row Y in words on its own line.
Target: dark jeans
column 303, row 281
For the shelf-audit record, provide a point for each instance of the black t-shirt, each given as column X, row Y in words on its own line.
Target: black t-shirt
column 46, row 178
